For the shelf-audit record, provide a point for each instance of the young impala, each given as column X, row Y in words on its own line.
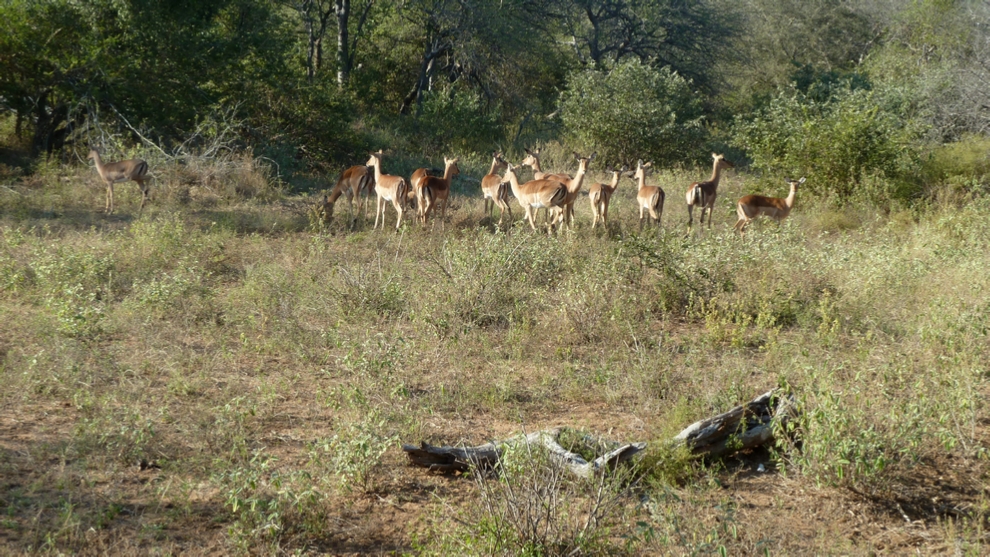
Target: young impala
column 650, row 198
column 389, row 188
column 353, row 182
column 432, row 190
column 752, row 206
column 494, row 190
column 600, row 194
column 573, row 185
column 111, row 172
column 536, row 194
column 703, row 193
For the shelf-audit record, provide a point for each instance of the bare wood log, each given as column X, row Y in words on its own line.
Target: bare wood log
column 744, row 427
column 459, row 459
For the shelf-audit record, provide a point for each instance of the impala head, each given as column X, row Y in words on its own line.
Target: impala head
column 583, row 161
column 794, row 183
column 376, row 158
column 532, row 157
column 510, row 170
column 452, row 164
column 722, row 162
column 641, row 169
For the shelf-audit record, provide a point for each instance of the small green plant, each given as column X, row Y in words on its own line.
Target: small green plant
column 354, row 454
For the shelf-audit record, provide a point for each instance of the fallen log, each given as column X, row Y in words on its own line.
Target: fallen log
column 744, row 427
column 460, row 459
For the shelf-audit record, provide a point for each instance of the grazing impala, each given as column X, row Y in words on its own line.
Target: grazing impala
column 573, row 185
column 353, row 182
column 494, row 190
column 432, row 190
column 752, row 206
column 389, row 188
column 536, row 194
column 600, row 194
column 649, row 198
column 703, row 193
column 111, row 172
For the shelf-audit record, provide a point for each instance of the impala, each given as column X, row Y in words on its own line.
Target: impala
column 494, row 190
column 112, row 172
column 532, row 160
column 600, row 194
column 432, row 190
column 752, row 206
column 353, row 182
column 573, row 185
column 703, row 193
column 389, row 188
column 650, row 198
column 536, row 194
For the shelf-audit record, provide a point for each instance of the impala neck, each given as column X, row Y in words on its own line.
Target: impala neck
column 716, row 173
column 575, row 184
column 790, row 197
column 536, row 166
column 495, row 165
column 615, row 180
column 377, row 164
column 335, row 195
column 97, row 159
column 641, row 178
column 446, row 173
column 513, row 183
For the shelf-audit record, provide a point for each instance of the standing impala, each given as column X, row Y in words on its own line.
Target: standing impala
column 532, row 160
column 703, row 193
column 389, row 188
column 111, row 172
column 353, row 182
column 494, row 190
column 600, row 194
column 573, row 185
column 752, row 206
column 649, row 198
column 432, row 190
column 536, row 194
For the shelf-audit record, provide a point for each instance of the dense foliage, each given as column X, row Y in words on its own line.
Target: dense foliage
column 837, row 90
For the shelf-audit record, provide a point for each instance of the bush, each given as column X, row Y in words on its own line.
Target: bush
column 633, row 111
column 836, row 144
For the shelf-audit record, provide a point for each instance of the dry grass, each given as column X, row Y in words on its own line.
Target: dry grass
column 213, row 377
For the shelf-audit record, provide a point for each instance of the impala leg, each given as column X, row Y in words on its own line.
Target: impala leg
column 398, row 210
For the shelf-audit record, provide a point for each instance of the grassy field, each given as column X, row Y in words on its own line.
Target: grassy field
column 219, row 375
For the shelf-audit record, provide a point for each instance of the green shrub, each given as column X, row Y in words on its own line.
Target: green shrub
column 837, row 144
column 633, row 111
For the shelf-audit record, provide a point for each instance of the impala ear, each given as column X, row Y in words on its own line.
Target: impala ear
column 801, row 181
column 528, row 152
column 593, row 155
column 647, row 165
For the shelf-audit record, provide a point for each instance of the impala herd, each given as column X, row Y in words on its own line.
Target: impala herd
column 556, row 193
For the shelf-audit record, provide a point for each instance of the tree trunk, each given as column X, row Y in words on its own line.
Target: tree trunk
column 343, row 11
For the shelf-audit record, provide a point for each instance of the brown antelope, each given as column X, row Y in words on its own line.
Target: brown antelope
column 536, row 194
column 650, row 198
column 703, row 193
column 532, row 160
column 573, row 185
column 433, row 190
column 752, row 206
column 389, row 188
column 112, row 172
column 414, row 180
column 600, row 194
column 494, row 190
column 353, row 182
